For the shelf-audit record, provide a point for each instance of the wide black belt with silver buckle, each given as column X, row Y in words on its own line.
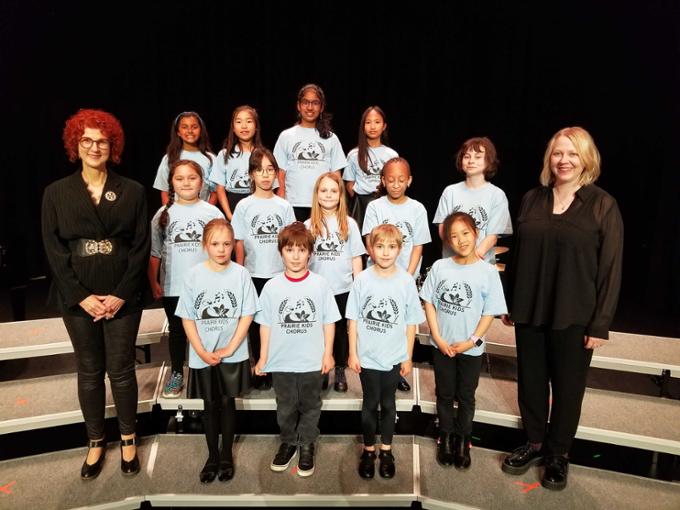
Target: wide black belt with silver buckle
column 89, row 247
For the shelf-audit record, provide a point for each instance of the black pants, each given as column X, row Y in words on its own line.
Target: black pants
column 456, row 379
column 379, row 387
column 298, row 406
column 341, row 342
column 556, row 359
column 219, row 415
column 177, row 338
column 254, row 328
column 105, row 346
column 302, row 213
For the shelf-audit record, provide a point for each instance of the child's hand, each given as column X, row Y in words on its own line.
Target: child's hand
column 461, row 347
column 260, row 366
column 211, row 358
column 353, row 363
column 443, row 347
column 505, row 319
column 406, row 367
column 226, row 351
column 327, row 363
column 156, row 290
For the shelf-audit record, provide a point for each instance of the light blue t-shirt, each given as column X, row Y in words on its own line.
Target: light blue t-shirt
column 161, row 182
column 383, row 307
column 304, row 155
column 179, row 246
column 216, row 300
column 366, row 183
column 487, row 205
column 332, row 257
column 257, row 222
column 296, row 312
column 233, row 174
column 411, row 220
column 462, row 294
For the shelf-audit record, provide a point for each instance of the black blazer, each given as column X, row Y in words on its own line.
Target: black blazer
column 69, row 214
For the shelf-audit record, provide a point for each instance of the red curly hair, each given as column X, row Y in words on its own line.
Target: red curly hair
column 95, row 119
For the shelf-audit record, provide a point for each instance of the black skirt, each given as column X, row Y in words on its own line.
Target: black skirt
column 358, row 206
column 222, row 380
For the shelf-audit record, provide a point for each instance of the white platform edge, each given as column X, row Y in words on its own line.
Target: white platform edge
column 297, row 500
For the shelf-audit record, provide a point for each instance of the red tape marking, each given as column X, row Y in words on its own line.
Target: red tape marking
column 528, row 487
column 21, row 401
column 36, row 331
column 5, row 488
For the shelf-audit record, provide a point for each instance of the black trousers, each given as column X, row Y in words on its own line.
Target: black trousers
column 341, row 341
column 557, row 359
column 456, row 379
column 254, row 328
column 302, row 213
column 177, row 338
column 379, row 387
column 298, row 405
column 105, row 346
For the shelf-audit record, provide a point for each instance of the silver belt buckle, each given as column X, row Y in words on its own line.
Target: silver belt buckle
column 91, row 247
column 105, row 247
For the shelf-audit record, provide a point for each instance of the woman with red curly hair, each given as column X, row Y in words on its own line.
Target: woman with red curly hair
column 95, row 232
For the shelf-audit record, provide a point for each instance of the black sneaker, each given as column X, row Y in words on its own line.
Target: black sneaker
column 386, row 468
column 283, row 457
column 306, row 461
column 521, row 459
column 367, row 464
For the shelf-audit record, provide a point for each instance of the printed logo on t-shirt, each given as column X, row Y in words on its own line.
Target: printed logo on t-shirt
column 374, row 167
column 329, row 248
column 404, row 227
column 239, row 183
column 185, row 235
column 309, row 151
column 453, row 297
column 213, row 309
column 478, row 214
column 265, row 228
column 298, row 316
column 379, row 315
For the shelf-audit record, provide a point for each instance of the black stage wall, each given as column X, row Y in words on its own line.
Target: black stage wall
column 513, row 71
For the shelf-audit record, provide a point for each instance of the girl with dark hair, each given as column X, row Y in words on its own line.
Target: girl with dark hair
column 188, row 140
column 307, row 150
column 176, row 233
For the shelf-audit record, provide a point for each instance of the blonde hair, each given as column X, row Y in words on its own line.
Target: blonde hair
column 586, row 150
column 386, row 232
column 317, row 222
column 214, row 225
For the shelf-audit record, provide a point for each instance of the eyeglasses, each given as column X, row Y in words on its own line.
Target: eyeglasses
column 263, row 171
column 86, row 143
column 314, row 102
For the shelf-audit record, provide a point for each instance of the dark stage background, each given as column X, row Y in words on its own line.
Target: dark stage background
column 443, row 72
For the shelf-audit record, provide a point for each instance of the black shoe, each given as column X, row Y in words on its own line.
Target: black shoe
column 340, row 380
column 129, row 467
column 91, row 471
column 264, row 383
column 521, row 459
column 556, row 471
column 225, row 471
column 403, row 385
column 461, row 449
column 367, row 464
column 283, row 457
column 306, row 460
column 324, row 382
column 209, row 471
column 445, row 449
column 386, row 469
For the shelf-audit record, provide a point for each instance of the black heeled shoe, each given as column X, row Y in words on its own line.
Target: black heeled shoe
column 209, row 471
column 91, row 471
column 129, row 467
column 225, row 470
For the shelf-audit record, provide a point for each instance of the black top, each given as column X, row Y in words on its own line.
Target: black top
column 69, row 214
column 566, row 268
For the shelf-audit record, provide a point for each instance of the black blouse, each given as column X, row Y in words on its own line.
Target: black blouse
column 566, row 268
column 69, row 214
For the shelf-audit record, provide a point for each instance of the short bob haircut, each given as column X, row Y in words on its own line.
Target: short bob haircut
column 386, row 233
column 490, row 155
column 215, row 225
column 255, row 162
column 587, row 152
column 296, row 234
column 459, row 216
column 95, row 119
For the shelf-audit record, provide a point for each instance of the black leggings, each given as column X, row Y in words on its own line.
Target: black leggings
column 379, row 387
column 219, row 416
column 341, row 342
column 177, row 338
column 105, row 346
column 254, row 328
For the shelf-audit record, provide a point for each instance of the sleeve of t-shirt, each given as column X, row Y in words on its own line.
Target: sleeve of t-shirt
column 353, row 305
column 494, row 300
column 264, row 315
column 443, row 208
column 356, row 245
column 350, row 173
column 280, row 152
column 238, row 222
column 251, row 303
column 157, row 235
column 290, row 214
column 185, row 304
column 421, row 232
column 331, row 314
column 338, row 159
column 370, row 219
column 161, row 182
column 218, row 172
column 499, row 217
column 427, row 291
column 414, row 311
